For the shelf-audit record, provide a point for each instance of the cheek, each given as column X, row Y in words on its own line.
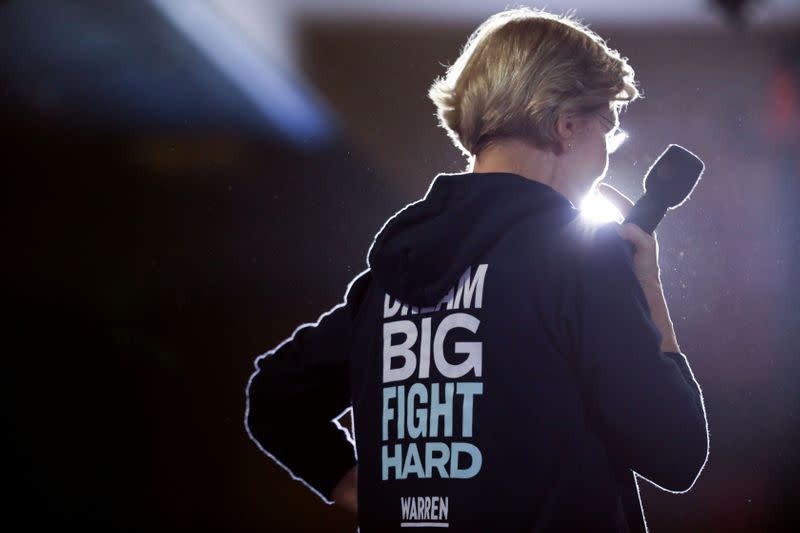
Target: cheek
column 595, row 164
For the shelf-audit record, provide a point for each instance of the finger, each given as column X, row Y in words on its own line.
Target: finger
column 622, row 203
column 641, row 239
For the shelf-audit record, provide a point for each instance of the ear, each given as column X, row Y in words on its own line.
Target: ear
column 565, row 127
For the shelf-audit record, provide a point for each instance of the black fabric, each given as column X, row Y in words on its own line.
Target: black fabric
column 502, row 367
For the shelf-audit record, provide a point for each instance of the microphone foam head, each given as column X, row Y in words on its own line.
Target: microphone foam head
column 673, row 176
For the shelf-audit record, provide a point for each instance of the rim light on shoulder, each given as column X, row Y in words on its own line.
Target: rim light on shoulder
column 598, row 210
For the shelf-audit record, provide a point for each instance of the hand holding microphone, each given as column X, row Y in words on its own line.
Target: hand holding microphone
column 668, row 183
column 645, row 257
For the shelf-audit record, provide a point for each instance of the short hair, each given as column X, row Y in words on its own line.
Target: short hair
column 518, row 70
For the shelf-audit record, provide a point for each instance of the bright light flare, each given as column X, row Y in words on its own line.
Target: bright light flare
column 598, row 210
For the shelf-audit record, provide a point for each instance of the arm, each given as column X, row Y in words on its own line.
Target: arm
column 659, row 312
column 346, row 492
column 645, row 267
column 296, row 391
column 645, row 403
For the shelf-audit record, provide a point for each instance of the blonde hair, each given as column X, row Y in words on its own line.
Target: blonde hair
column 518, row 70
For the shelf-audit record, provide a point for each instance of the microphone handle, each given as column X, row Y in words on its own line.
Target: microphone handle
column 645, row 213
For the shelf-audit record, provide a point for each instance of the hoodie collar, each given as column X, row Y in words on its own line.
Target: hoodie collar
column 420, row 252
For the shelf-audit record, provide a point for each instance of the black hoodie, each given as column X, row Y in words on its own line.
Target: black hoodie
column 503, row 370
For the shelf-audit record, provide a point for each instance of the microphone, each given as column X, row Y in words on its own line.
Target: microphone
column 668, row 183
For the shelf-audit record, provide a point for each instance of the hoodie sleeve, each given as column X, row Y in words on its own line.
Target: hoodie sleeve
column 296, row 391
column 646, row 404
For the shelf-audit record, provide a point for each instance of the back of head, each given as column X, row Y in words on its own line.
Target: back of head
column 518, row 70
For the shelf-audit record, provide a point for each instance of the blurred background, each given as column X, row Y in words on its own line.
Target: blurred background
column 188, row 181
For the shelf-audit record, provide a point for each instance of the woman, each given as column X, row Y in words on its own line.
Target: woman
column 507, row 365
column 539, row 95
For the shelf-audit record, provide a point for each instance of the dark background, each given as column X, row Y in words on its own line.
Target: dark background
column 166, row 221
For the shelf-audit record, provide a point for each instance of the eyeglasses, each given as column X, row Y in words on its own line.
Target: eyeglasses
column 615, row 136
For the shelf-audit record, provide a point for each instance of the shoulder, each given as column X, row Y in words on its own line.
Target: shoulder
column 598, row 250
column 357, row 288
column 608, row 247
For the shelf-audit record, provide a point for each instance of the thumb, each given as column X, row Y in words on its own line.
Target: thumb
column 622, row 203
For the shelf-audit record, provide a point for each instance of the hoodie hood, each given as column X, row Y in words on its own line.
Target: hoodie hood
column 421, row 251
